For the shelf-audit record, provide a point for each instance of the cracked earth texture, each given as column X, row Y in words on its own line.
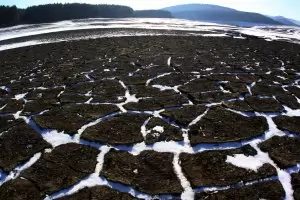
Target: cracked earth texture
column 152, row 117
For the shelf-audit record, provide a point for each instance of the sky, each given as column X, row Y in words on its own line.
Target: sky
column 287, row 8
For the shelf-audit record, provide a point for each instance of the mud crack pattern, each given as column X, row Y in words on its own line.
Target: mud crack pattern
column 161, row 117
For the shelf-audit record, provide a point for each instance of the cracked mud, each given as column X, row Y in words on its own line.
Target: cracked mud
column 161, row 117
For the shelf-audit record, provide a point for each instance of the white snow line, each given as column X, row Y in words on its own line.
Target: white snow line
column 248, row 162
column 249, row 87
column 91, row 80
column 282, row 68
column 61, row 92
column 3, row 107
column 290, row 112
column 188, row 193
column 144, row 129
column 93, row 123
column 123, row 84
column 53, row 137
column 295, row 169
column 89, row 93
column 5, row 88
column 164, row 88
column 89, row 101
column 195, row 121
column 245, row 114
column 257, row 161
column 186, row 140
column 94, row 180
column 223, row 90
column 100, row 159
column 20, row 96
column 156, row 77
column 17, row 114
column 17, row 171
column 169, row 61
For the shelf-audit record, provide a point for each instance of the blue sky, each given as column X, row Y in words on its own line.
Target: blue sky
column 287, row 8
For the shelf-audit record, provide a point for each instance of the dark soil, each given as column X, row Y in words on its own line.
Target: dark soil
column 284, row 151
column 296, row 185
column 210, row 168
column 221, row 125
column 286, row 123
column 63, row 167
column 99, row 193
column 68, row 85
column 265, row 190
column 139, row 171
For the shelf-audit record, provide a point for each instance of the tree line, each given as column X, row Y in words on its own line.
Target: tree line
column 11, row 15
column 153, row 13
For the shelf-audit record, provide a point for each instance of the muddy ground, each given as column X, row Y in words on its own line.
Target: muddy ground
column 149, row 117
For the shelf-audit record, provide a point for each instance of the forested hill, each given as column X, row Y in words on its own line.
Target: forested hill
column 57, row 12
column 219, row 14
column 153, row 13
column 9, row 15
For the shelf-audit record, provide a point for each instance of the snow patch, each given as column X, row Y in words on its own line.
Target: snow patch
column 17, row 171
column 169, row 61
column 195, row 121
column 159, row 129
column 247, row 162
column 188, row 193
column 56, row 138
column 20, row 96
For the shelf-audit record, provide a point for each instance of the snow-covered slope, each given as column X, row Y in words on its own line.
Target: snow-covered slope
column 290, row 34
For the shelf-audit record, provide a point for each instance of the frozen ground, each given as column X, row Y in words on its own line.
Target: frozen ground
column 174, row 115
column 270, row 33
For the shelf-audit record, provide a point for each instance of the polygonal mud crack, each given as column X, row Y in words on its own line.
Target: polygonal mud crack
column 287, row 123
column 43, row 94
column 39, row 105
column 294, row 90
column 289, row 100
column 63, row 167
column 238, row 105
column 296, row 185
column 19, row 189
column 200, row 85
column 221, row 125
column 84, row 88
column 185, row 115
column 150, row 172
column 73, row 98
column 18, row 144
column 263, row 104
column 156, row 100
column 267, row 90
column 210, row 168
column 284, row 151
column 120, row 129
column 108, row 91
column 99, row 193
column 11, row 106
column 264, row 190
column 161, row 131
column 71, row 117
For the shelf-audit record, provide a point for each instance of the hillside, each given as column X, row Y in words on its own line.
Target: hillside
column 199, row 7
column 47, row 13
column 295, row 21
column 58, row 12
column 218, row 14
column 152, row 14
column 285, row 21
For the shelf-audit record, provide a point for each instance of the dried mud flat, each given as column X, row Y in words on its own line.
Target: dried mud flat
column 152, row 117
